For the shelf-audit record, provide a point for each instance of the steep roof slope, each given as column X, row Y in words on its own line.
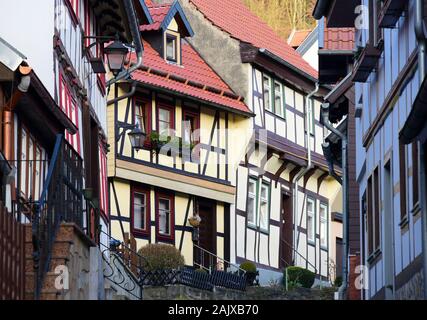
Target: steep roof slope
column 234, row 18
column 194, row 78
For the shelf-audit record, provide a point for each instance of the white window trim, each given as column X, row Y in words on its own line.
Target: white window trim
column 268, row 107
column 267, row 202
column 254, row 197
column 280, row 92
column 313, row 219
column 324, row 220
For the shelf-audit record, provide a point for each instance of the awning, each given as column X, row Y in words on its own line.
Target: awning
column 417, row 118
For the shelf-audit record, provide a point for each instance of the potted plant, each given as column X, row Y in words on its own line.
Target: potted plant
column 251, row 272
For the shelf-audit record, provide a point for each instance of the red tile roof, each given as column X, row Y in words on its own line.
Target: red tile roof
column 233, row 17
column 339, row 39
column 158, row 12
column 194, row 78
column 297, row 37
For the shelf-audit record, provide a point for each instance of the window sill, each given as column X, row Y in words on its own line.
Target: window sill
column 140, row 234
column 375, row 256
column 257, row 229
column 416, row 210
column 404, row 223
column 311, row 243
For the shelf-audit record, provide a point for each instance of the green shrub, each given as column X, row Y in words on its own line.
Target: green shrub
column 161, row 257
column 338, row 282
column 248, row 266
column 297, row 275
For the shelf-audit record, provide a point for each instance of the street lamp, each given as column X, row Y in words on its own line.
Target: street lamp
column 116, row 54
column 137, row 138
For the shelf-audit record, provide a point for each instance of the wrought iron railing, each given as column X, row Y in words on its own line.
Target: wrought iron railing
column 123, row 264
column 61, row 200
column 302, row 257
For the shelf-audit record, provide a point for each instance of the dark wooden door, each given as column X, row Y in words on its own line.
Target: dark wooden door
column 287, row 231
column 207, row 232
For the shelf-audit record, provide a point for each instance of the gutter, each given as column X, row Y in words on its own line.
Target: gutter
column 422, row 43
column 303, row 172
column 343, row 137
column 136, row 36
column 320, row 9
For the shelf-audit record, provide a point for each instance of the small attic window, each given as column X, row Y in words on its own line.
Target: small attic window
column 171, row 48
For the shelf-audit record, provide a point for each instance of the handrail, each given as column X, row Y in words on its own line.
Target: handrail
column 212, row 255
column 304, row 258
column 44, row 228
column 299, row 254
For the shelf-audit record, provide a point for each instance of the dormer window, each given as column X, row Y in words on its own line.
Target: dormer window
column 171, row 48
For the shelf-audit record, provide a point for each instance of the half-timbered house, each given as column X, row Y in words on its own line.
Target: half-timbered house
column 282, row 210
column 189, row 117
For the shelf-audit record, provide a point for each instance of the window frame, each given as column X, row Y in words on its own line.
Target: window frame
column 313, row 216
column 281, row 104
column 137, row 232
column 324, row 220
column 196, row 115
column 147, row 113
column 171, row 197
column 267, row 202
column 171, row 109
column 174, row 39
column 270, row 95
column 254, row 196
column 403, row 183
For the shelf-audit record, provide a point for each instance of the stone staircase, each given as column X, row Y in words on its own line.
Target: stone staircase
column 60, row 257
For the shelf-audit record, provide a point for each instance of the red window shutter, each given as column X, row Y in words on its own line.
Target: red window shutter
column 103, row 183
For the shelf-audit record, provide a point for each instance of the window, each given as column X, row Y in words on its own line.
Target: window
column 267, row 93
column 278, row 99
column 264, row 207
column 31, row 166
column 415, row 173
column 165, row 121
column 373, row 212
column 251, row 211
column 323, row 225
column 165, row 216
column 103, row 183
column 311, row 220
column 171, row 48
column 140, row 211
column 142, row 115
column 258, row 207
column 403, row 175
column 191, row 126
column 69, row 107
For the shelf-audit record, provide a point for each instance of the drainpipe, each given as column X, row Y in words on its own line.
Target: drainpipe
column 343, row 137
column 125, row 96
column 297, row 178
column 421, row 38
column 136, row 36
column 23, row 87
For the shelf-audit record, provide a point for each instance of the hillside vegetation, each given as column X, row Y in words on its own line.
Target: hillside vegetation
column 284, row 15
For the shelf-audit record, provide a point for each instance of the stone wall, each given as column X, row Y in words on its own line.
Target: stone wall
column 413, row 289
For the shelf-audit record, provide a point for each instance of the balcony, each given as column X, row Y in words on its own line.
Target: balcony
column 366, row 61
column 390, row 13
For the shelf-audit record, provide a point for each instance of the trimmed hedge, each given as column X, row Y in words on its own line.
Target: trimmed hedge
column 299, row 275
column 248, row 266
column 161, row 257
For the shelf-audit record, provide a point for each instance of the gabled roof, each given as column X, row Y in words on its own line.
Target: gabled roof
column 194, row 79
column 162, row 15
column 234, row 18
